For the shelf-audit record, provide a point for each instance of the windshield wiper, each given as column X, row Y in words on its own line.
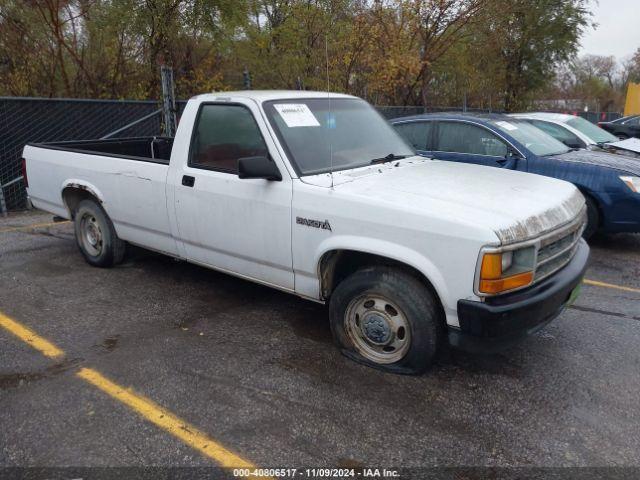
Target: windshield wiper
column 389, row 158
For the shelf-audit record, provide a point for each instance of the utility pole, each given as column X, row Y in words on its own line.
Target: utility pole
column 168, row 101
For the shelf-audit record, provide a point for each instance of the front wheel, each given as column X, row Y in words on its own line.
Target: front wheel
column 386, row 318
column 593, row 218
column 96, row 235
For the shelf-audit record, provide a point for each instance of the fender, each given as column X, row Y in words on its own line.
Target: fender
column 389, row 250
column 81, row 185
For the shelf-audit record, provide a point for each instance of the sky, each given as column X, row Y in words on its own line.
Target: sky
column 618, row 30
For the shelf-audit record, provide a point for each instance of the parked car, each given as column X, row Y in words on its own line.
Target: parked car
column 623, row 128
column 573, row 131
column 317, row 195
column 610, row 183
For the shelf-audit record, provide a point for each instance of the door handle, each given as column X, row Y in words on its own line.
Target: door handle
column 188, row 180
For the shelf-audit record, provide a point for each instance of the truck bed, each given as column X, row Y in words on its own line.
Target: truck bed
column 128, row 176
column 148, row 149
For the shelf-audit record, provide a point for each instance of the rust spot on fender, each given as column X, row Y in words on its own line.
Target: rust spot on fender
column 80, row 186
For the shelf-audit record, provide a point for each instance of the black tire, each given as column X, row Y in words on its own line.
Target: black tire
column 409, row 298
column 593, row 218
column 622, row 136
column 92, row 221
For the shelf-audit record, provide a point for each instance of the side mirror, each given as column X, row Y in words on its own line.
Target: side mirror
column 510, row 160
column 258, row 167
column 513, row 154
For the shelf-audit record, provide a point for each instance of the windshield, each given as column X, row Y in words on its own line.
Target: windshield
column 350, row 131
column 531, row 137
column 592, row 131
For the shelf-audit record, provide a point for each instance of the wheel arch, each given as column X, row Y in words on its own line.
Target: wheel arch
column 596, row 201
column 335, row 264
column 74, row 191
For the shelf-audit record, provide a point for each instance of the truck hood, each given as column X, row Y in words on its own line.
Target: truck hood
column 602, row 159
column 515, row 205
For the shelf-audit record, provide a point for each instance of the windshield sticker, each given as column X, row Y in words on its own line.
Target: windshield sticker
column 296, row 115
column 507, row 125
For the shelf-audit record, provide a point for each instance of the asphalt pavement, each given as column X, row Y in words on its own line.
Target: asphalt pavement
column 255, row 371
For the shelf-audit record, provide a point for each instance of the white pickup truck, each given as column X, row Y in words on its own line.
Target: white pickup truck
column 315, row 194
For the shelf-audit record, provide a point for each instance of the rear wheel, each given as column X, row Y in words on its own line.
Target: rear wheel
column 386, row 318
column 96, row 236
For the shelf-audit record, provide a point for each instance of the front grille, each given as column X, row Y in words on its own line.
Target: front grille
column 557, row 249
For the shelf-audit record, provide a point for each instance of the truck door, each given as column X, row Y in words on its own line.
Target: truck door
column 239, row 226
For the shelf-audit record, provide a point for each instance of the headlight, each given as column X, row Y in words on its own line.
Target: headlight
column 507, row 270
column 632, row 182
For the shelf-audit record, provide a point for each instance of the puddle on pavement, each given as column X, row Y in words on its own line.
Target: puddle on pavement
column 109, row 343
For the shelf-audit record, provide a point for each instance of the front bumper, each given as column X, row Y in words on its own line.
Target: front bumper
column 503, row 320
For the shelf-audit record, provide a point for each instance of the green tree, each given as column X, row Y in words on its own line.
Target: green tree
column 530, row 38
column 403, row 52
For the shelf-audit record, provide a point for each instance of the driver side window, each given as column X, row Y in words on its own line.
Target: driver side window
column 459, row 137
column 223, row 134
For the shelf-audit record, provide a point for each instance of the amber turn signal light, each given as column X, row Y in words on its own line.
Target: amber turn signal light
column 494, row 280
column 491, row 266
column 507, row 283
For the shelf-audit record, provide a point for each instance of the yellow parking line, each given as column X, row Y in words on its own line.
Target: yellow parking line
column 166, row 420
column 31, row 227
column 610, row 285
column 143, row 406
column 28, row 336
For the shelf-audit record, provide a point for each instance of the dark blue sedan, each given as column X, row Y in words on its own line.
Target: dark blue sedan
column 610, row 183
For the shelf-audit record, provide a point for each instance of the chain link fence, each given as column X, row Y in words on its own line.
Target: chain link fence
column 26, row 120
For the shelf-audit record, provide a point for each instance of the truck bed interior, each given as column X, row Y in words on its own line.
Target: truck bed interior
column 151, row 149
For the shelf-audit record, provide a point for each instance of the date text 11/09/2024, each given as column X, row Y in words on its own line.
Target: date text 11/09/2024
column 316, row 472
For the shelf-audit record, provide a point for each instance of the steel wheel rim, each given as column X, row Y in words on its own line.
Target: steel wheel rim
column 91, row 235
column 378, row 328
